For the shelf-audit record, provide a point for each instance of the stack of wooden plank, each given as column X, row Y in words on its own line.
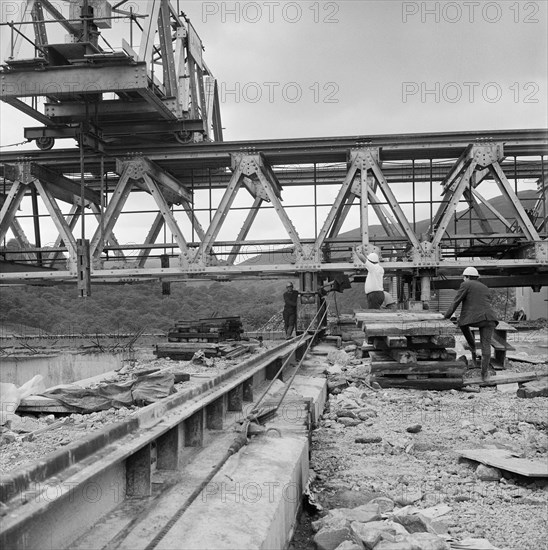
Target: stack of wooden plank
column 184, row 351
column 213, row 329
column 411, row 349
column 345, row 327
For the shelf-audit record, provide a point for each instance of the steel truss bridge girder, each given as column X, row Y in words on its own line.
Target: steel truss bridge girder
column 165, row 177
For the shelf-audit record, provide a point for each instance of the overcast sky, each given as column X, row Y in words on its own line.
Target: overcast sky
column 372, row 67
column 319, row 69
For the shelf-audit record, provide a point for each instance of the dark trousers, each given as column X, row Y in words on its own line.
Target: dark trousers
column 486, row 329
column 375, row 299
column 290, row 320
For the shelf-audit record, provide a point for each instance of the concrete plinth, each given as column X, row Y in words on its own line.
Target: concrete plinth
column 59, row 368
column 253, row 502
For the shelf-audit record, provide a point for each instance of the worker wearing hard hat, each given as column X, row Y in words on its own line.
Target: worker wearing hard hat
column 476, row 311
column 374, row 288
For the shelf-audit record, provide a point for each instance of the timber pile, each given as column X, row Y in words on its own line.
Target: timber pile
column 345, row 326
column 213, row 329
column 185, row 351
column 411, row 349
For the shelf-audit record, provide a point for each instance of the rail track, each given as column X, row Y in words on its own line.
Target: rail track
column 129, row 484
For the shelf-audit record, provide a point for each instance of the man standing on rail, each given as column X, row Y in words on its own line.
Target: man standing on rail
column 291, row 298
column 476, row 311
column 374, row 287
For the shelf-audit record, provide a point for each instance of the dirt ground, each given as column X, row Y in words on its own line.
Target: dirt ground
column 408, row 452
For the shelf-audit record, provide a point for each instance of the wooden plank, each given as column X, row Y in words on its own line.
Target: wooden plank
column 504, row 460
column 382, row 369
column 440, row 354
column 418, row 340
column 503, row 325
column 443, row 340
column 187, row 346
column 508, row 378
column 382, row 357
column 41, row 404
column 499, row 342
column 422, row 384
column 384, row 316
column 403, row 356
column 422, row 328
column 385, row 342
column 522, row 359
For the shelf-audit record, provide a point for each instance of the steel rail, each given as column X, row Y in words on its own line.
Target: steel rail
column 95, row 455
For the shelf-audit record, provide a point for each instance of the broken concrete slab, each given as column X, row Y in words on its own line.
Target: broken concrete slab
column 504, row 460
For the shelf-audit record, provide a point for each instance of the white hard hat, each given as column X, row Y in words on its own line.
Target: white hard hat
column 372, row 257
column 471, row 272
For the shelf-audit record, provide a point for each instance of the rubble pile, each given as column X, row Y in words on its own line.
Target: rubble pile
column 392, row 453
column 28, row 437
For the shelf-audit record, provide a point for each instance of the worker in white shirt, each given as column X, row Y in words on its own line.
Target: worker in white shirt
column 374, row 288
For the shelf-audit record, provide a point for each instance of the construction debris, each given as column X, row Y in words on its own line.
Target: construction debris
column 505, row 460
column 534, row 389
column 186, row 351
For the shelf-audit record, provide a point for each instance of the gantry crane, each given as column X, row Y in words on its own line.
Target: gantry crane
column 77, row 85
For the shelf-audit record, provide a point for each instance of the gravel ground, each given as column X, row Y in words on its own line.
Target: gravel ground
column 424, row 468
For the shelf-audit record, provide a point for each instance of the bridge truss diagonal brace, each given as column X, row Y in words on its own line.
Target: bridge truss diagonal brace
column 169, row 219
column 386, row 218
column 11, row 205
column 22, row 240
column 492, row 209
column 60, row 223
column 112, row 240
column 248, row 222
column 71, row 219
column 337, row 208
column 521, row 216
column 272, row 187
column 200, row 258
column 369, row 158
column 118, row 199
column 172, row 189
column 151, row 237
column 461, row 181
column 447, row 209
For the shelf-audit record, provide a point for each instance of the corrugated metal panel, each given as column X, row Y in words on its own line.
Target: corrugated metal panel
column 442, row 299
